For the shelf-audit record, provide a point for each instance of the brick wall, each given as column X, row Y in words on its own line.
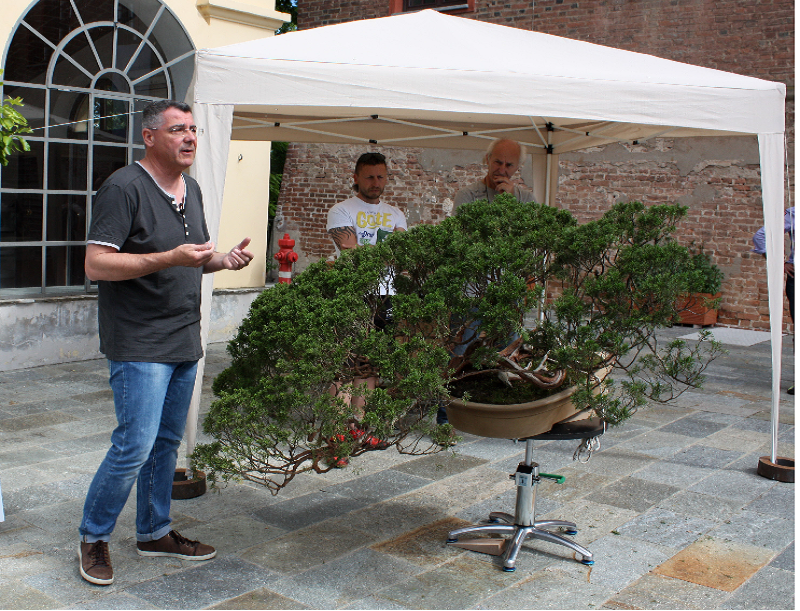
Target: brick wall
column 718, row 178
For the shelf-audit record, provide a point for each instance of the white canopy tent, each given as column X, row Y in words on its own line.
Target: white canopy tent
column 430, row 80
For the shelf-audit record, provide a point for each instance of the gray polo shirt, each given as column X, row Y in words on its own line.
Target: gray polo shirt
column 155, row 318
column 479, row 190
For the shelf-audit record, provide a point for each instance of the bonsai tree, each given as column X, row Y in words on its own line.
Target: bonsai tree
column 463, row 291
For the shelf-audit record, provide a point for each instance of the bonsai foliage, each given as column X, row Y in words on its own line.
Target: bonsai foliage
column 463, row 291
column 12, row 124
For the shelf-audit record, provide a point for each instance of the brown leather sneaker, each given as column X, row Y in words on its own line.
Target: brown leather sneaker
column 96, row 563
column 176, row 546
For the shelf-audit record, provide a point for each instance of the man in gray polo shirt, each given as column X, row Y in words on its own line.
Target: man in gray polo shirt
column 503, row 160
column 148, row 247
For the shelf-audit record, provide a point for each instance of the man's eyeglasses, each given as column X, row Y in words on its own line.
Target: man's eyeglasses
column 178, row 130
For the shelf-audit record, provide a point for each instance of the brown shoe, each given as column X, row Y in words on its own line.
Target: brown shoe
column 96, row 563
column 175, row 545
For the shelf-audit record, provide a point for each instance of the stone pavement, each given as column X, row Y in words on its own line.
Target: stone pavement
column 671, row 507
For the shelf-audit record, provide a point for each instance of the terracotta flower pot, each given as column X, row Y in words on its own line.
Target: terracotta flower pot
column 693, row 311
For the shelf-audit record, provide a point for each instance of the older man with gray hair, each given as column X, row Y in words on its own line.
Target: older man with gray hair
column 503, row 159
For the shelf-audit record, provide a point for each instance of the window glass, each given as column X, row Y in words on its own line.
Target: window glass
column 24, row 170
column 68, row 74
column 20, row 217
column 66, row 166
column 155, row 86
column 33, row 104
column 31, row 56
column 69, row 115
column 53, row 19
column 103, row 41
column 107, row 160
column 111, row 120
column 65, row 266
column 85, row 56
column 20, row 267
column 66, row 218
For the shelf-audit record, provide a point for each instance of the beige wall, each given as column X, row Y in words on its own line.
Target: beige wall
column 214, row 23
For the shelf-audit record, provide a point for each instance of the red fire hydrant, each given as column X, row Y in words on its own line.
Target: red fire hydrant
column 286, row 258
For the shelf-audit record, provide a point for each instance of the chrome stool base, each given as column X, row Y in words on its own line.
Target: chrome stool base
column 522, row 525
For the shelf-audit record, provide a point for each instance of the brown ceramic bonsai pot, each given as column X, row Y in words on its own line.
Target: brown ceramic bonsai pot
column 519, row 420
column 511, row 421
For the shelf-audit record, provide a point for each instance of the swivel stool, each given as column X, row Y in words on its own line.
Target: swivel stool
column 523, row 524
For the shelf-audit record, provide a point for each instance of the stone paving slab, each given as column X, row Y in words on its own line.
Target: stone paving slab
column 669, row 503
column 715, row 563
column 659, row 592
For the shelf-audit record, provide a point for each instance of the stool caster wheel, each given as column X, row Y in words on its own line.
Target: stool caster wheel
column 493, row 521
column 570, row 532
column 509, row 569
column 587, row 562
column 452, row 541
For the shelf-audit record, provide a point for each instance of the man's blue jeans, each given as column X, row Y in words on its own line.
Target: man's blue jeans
column 151, row 401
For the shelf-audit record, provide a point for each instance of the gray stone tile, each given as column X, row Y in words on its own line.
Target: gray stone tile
column 17, row 595
column 785, row 560
column 666, row 528
column 31, row 456
column 262, row 598
column 346, row 579
column 459, row 584
column 490, row 449
column 552, row 588
column 303, row 511
column 705, row 456
column 770, row 588
column 618, row 462
column 378, row 486
column 691, row 426
column 34, row 421
column 222, row 502
column 373, row 602
column 310, row 547
column 699, row 505
column 232, row 534
column 778, row 501
column 657, row 443
column 756, row 529
column 659, row 592
column 209, row 583
column 633, row 493
column 674, row 474
column 55, row 518
column 32, row 497
column 733, row 485
column 619, row 561
column 118, row 600
column 390, row 518
column 439, row 466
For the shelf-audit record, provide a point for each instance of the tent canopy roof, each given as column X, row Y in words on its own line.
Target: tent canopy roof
column 433, row 80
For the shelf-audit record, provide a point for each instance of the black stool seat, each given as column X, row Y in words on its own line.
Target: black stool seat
column 579, row 429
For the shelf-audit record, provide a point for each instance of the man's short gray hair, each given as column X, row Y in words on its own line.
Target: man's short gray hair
column 522, row 148
column 151, row 114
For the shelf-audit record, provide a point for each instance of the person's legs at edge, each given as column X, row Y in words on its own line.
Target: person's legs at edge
column 139, row 391
column 790, row 297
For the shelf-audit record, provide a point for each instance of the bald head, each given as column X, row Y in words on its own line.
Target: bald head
column 502, row 160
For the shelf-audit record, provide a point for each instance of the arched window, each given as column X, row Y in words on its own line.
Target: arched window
column 84, row 69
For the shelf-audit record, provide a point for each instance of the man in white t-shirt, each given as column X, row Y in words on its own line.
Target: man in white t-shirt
column 364, row 218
